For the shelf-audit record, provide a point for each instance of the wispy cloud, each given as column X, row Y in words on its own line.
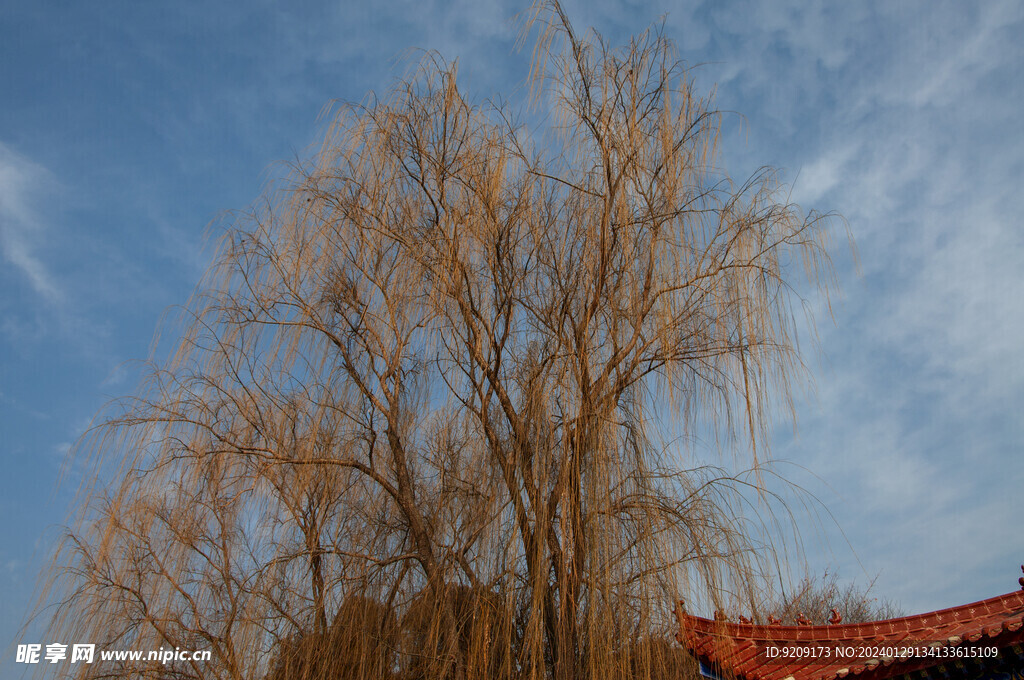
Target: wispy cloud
column 902, row 119
column 971, row 58
column 22, row 184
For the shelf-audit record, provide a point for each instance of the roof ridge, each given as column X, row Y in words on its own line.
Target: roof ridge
column 743, row 647
column 942, row 616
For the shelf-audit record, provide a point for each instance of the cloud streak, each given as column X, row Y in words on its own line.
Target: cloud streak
column 22, row 183
column 905, row 121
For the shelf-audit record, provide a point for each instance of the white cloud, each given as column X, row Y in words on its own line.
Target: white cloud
column 915, row 429
column 823, row 175
column 22, row 182
column 971, row 57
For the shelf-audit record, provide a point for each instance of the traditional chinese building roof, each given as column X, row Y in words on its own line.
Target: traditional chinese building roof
column 933, row 645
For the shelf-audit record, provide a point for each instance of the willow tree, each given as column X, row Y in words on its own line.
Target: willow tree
column 427, row 409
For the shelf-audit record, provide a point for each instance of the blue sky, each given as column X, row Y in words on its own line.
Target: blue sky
column 127, row 129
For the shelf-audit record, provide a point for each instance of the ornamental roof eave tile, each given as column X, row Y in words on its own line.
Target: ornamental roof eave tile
column 739, row 647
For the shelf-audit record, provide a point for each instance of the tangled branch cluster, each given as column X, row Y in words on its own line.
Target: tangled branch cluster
column 424, row 420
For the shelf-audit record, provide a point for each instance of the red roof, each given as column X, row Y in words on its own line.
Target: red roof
column 777, row 652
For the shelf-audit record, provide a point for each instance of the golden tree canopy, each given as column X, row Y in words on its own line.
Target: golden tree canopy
column 426, row 410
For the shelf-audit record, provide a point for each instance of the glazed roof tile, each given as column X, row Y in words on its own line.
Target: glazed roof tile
column 806, row 652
